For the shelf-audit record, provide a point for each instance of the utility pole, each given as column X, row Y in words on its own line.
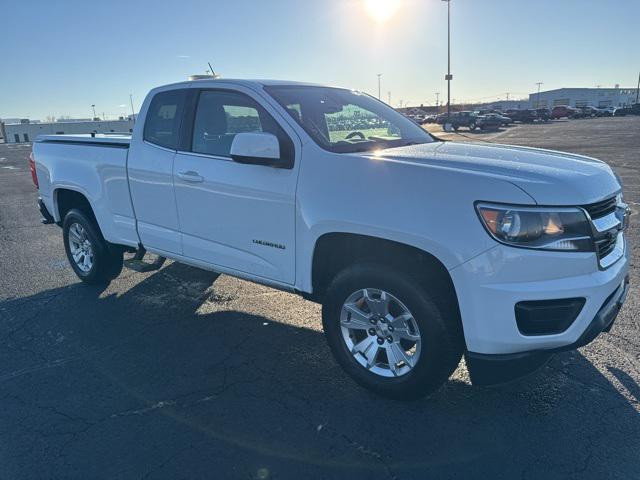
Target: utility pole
column 507, row 94
column 133, row 112
column 538, row 96
column 448, row 77
column 437, row 100
column 94, row 111
column 638, row 90
column 379, row 75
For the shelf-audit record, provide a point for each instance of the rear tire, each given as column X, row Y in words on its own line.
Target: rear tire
column 91, row 257
column 435, row 322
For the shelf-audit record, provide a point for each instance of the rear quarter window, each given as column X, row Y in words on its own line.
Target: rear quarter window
column 162, row 123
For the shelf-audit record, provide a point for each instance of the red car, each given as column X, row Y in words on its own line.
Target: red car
column 563, row 111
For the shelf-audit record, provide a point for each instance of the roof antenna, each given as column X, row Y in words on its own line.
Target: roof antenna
column 213, row 74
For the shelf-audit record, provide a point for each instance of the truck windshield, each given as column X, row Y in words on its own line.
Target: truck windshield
column 346, row 121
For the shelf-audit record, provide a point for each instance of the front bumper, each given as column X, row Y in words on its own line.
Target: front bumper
column 487, row 369
column 490, row 285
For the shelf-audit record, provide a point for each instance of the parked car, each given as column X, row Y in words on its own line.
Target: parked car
column 631, row 110
column 504, row 254
column 504, row 120
column 429, row 119
column 563, row 111
column 543, row 114
column 523, row 116
column 590, row 111
column 470, row 120
column 466, row 119
column 606, row 111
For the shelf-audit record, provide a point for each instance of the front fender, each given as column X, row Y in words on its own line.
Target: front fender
column 424, row 206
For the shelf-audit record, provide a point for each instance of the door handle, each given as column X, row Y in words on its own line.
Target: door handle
column 191, row 176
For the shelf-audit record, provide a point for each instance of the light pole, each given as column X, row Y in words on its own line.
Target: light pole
column 94, row 111
column 538, row 96
column 133, row 112
column 389, row 97
column 379, row 75
column 437, row 102
column 638, row 89
column 448, row 77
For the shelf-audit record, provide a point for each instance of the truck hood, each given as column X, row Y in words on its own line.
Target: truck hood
column 549, row 177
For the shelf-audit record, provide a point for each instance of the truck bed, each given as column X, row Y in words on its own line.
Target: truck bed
column 121, row 140
column 94, row 166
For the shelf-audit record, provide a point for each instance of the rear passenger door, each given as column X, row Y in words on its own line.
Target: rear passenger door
column 150, row 169
column 235, row 215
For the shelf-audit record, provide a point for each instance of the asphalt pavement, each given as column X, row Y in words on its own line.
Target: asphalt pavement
column 181, row 373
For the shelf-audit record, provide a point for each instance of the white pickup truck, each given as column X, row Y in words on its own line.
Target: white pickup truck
column 419, row 250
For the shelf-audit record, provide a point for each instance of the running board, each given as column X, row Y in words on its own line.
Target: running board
column 138, row 264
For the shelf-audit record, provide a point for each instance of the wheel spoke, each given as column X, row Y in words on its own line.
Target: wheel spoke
column 358, row 319
column 405, row 333
column 401, row 326
column 401, row 320
column 75, row 238
column 378, row 306
column 367, row 347
column 392, row 359
column 400, row 354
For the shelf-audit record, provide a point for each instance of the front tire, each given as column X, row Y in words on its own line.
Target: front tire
column 89, row 254
column 390, row 332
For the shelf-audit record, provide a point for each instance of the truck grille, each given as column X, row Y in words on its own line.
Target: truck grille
column 601, row 208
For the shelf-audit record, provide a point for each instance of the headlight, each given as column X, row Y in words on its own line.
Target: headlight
column 565, row 229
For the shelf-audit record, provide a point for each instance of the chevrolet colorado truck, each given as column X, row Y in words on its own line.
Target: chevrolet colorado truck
column 420, row 250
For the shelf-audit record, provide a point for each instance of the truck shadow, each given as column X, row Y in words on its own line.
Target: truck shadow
column 150, row 379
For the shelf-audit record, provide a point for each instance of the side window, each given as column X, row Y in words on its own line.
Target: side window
column 162, row 124
column 220, row 115
column 242, row 119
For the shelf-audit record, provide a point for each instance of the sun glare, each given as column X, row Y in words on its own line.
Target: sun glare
column 381, row 10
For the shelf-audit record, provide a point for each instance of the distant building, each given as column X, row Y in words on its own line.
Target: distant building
column 18, row 120
column 504, row 105
column 28, row 132
column 583, row 97
column 72, row 120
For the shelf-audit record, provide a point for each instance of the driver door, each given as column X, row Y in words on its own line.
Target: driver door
column 233, row 215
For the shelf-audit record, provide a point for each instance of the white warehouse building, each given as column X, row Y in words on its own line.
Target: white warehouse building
column 583, row 97
column 28, row 132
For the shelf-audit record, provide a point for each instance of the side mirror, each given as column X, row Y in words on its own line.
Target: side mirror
column 257, row 149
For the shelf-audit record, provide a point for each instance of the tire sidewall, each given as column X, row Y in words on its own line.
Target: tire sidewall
column 428, row 374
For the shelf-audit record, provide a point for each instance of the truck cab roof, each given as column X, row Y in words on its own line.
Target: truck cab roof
column 251, row 83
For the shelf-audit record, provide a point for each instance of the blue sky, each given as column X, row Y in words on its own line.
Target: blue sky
column 59, row 57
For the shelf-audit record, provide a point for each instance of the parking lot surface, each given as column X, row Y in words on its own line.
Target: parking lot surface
column 182, row 373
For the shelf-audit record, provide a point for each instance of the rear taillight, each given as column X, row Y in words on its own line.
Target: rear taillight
column 32, row 168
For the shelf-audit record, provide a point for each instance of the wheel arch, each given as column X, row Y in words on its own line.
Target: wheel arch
column 66, row 198
column 335, row 251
